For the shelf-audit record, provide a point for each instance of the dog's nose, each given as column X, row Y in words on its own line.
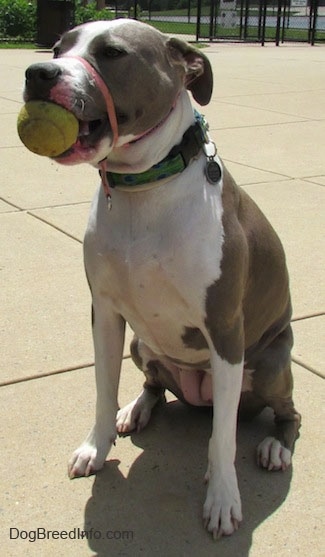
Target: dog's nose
column 42, row 74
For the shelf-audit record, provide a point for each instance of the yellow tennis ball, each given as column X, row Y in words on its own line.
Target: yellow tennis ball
column 46, row 128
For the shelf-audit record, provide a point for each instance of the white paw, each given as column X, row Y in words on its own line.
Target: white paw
column 222, row 508
column 90, row 456
column 84, row 462
column 136, row 415
column 272, row 455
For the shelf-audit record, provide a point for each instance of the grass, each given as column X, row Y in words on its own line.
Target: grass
column 181, row 12
column 176, row 27
column 206, row 10
column 8, row 44
column 232, row 33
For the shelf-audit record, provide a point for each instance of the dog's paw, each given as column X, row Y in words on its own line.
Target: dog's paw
column 91, row 455
column 222, row 508
column 136, row 415
column 272, row 455
column 84, row 461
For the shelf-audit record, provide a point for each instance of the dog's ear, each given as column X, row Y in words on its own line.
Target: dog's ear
column 198, row 71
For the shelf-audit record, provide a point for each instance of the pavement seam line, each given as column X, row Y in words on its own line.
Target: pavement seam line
column 291, row 114
column 31, row 214
column 310, row 316
column 12, row 205
column 283, row 176
column 265, row 93
column 249, row 126
column 58, row 206
column 50, row 373
column 307, row 367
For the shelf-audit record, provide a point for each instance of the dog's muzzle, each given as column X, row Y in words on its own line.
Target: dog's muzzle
column 111, row 113
column 106, row 94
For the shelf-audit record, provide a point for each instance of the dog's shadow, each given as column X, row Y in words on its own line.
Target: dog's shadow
column 157, row 509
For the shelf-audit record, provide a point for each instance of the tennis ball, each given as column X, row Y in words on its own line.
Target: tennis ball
column 46, row 128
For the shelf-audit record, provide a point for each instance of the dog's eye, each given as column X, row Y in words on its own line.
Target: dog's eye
column 113, row 52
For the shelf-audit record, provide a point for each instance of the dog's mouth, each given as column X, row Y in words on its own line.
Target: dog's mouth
column 90, row 134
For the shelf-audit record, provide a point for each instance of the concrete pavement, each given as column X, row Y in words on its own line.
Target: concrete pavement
column 267, row 117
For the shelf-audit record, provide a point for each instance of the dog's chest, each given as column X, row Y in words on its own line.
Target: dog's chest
column 155, row 262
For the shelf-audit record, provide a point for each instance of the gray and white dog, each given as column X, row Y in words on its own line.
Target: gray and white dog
column 184, row 255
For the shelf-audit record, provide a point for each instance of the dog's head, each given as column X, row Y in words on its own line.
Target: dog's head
column 143, row 70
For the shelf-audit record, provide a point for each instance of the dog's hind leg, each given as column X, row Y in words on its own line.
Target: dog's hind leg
column 273, row 383
column 274, row 453
column 136, row 414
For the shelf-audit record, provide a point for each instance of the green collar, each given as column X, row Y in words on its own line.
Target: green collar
column 176, row 161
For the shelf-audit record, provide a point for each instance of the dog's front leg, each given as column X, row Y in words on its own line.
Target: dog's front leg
column 222, row 508
column 108, row 333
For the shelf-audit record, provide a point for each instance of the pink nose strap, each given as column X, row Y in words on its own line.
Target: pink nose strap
column 106, row 94
column 111, row 116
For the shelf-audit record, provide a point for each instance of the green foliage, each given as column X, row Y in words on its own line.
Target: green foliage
column 90, row 13
column 17, row 19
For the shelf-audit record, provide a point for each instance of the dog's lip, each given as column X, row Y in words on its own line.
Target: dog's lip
column 90, row 133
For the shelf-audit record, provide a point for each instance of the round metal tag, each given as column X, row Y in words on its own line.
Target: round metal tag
column 213, row 172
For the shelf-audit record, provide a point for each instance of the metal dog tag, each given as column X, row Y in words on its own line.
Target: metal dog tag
column 212, row 171
column 212, row 168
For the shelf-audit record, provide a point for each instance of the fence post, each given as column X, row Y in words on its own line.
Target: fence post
column 246, row 18
column 212, row 14
column 263, row 22
column 241, row 19
column 278, row 23
column 260, row 16
column 198, row 20
column 312, row 31
column 285, row 19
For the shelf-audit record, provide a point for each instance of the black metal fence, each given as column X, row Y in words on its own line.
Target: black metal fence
column 232, row 20
column 241, row 20
column 267, row 20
